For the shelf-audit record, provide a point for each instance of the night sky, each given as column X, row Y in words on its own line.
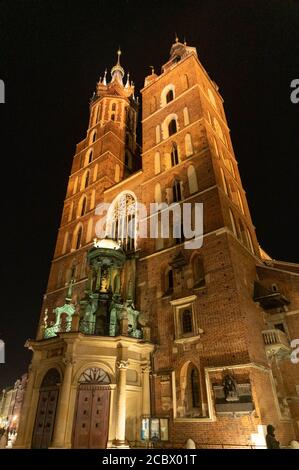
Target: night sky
column 52, row 53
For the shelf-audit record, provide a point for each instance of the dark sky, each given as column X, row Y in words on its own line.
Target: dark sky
column 51, row 55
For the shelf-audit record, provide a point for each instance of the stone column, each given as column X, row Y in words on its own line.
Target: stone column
column 62, row 407
column 120, row 433
column 146, row 394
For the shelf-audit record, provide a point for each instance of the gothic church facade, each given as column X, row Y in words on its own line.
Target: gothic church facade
column 142, row 340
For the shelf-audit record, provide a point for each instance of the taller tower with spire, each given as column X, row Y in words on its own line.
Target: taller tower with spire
column 146, row 338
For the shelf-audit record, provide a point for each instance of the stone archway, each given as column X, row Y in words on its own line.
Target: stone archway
column 91, row 422
column 46, row 410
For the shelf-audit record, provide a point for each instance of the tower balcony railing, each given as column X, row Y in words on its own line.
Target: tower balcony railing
column 87, row 327
column 276, row 342
column 63, row 327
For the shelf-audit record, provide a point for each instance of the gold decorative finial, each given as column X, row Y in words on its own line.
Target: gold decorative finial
column 176, row 38
column 185, row 43
column 153, row 69
column 119, row 54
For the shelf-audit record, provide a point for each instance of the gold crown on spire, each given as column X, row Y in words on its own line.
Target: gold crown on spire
column 117, row 67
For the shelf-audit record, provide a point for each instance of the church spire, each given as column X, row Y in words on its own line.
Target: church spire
column 117, row 72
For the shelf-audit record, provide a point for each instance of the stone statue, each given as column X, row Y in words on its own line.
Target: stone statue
column 230, row 388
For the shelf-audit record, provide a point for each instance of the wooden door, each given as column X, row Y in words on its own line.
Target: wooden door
column 45, row 419
column 92, row 417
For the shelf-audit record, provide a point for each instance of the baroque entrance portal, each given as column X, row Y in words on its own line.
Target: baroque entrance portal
column 92, row 410
column 46, row 410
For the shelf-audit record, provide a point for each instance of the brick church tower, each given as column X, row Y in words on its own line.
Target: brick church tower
column 153, row 338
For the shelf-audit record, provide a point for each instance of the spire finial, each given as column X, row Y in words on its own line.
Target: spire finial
column 185, row 43
column 118, row 55
column 104, row 79
column 117, row 72
column 176, row 38
column 128, row 80
column 153, row 69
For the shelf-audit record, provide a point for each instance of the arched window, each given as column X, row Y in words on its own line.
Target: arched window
column 169, row 96
column 212, row 97
column 113, row 107
column 94, row 375
column 195, row 388
column 81, row 206
column 172, row 127
column 93, row 136
column 157, row 163
column 158, row 194
column 189, row 395
column 176, row 191
column 77, row 237
column 186, row 116
column 112, row 116
column 198, row 272
column 122, row 220
column 65, row 242
column 192, row 179
column 85, row 180
column 188, row 145
column 88, row 157
column 187, row 324
column 174, row 155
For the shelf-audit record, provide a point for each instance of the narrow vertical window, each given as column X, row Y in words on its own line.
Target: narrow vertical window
column 169, row 96
column 78, row 238
column 176, row 191
column 186, row 116
column 187, row 326
column 192, row 179
column 174, row 155
column 158, row 136
column 65, row 242
column 233, row 223
column 117, row 173
column 188, row 145
column 157, row 163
